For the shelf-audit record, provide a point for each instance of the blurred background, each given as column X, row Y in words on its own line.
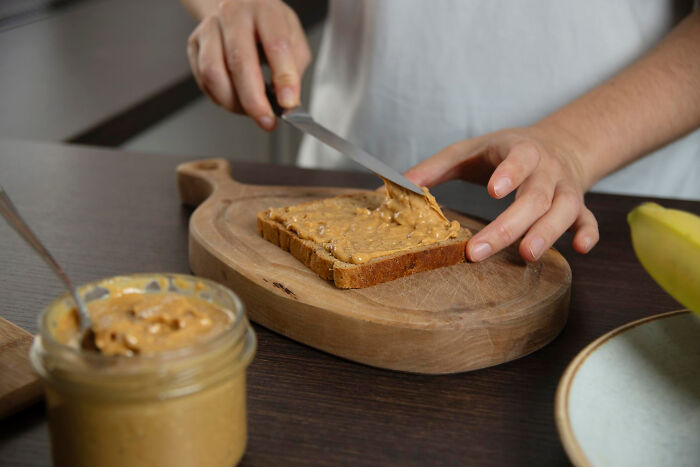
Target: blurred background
column 115, row 73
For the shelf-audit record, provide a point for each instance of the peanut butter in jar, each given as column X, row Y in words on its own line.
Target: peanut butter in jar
column 166, row 383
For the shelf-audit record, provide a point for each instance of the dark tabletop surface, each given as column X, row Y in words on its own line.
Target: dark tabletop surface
column 105, row 212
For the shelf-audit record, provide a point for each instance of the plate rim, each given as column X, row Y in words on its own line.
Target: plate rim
column 561, row 398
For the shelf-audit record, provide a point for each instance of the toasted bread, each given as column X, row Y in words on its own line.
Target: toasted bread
column 381, row 269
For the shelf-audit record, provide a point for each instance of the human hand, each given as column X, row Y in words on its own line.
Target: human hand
column 545, row 169
column 223, row 54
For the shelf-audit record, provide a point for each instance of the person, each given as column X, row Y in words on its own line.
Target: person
column 582, row 89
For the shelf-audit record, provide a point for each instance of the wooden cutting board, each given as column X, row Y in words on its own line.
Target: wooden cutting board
column 19, row 385
column 449, row 320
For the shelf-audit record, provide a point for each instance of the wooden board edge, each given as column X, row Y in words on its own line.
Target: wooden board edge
column 377, row 343
column 20, row 385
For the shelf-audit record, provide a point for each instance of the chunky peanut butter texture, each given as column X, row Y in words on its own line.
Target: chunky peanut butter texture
column 357, row 234
column 142, row 324
column 150, row 426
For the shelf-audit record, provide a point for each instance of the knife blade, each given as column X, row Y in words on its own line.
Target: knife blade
column 302, row 120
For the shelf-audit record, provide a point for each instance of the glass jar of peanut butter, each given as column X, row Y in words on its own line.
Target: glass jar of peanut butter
column 164, row 381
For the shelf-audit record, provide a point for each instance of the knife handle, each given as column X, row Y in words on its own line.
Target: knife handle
column 272, row 97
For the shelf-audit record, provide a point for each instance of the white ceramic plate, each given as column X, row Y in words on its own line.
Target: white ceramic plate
column 632, row 397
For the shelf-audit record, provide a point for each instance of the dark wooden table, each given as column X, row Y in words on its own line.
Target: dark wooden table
column 105, row 212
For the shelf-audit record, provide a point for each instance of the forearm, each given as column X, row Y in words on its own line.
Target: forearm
column 201, row 8
column 649, row 104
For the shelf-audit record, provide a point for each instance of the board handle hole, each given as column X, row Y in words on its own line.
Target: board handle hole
column 207, row 165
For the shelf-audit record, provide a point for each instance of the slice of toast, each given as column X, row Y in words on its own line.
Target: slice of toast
column 381, row 269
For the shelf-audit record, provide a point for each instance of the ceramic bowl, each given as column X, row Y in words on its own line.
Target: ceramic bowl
column 632, row 397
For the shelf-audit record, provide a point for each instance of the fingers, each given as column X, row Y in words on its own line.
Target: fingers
column 548, row 200
column 207, row 61
column 302, row 52
column 520, row 162
column 566, row 207
column 224, row 56
column 586, row 228
column 193, row 54
column 243, row 64
column 567, row 210
column 455, row 161
column 534, row 200
column 286, row 50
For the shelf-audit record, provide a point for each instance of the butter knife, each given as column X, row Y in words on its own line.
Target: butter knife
column 301, row 120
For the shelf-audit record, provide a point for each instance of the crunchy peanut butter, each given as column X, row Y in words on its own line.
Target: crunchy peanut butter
column 136, row 323
column 355, row 231
column 153, row 407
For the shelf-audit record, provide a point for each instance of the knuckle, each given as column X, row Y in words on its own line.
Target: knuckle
column 205, row 26
column 235, row 59
column 226, row 7
column 208, row 22
column 527, row 150
column 571, row 201
column 193, row 38
column 556, row 167
column 505, row 234
column 251, row 106
column 209, row 74
column 285, row 78
column 278, row 45
column 548, row 230
column 540, row 201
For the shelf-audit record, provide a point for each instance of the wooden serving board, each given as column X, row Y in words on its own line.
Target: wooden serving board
column 19, row 385
column 452, row 319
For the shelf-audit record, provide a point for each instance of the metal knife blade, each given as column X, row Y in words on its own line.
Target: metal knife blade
column 300, row 119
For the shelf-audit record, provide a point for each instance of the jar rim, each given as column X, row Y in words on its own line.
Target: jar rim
column 236, row 329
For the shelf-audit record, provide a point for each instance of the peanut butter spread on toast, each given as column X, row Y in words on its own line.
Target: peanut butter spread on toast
column 355, row 229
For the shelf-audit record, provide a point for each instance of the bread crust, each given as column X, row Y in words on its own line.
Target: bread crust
column 356, row 276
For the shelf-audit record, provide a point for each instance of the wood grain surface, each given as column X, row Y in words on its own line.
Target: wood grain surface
column 104, row 212
column 19, row 385
column 457, row 318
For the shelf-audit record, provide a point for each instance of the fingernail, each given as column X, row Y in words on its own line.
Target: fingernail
column 286, row 97
column 502, row 186
column 480, row 251
column 536, row 247
column 266, row 122
column 587, row 244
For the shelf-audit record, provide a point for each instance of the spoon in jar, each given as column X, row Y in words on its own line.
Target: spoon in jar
column 86, row 337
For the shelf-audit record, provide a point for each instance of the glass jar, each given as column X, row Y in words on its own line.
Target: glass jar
column 185, row 407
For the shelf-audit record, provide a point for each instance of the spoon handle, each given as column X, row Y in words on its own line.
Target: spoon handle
column 9, row 212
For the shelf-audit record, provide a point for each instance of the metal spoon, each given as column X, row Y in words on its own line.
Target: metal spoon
column 8, row 210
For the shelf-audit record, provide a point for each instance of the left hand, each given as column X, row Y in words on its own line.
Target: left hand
column 542, row 165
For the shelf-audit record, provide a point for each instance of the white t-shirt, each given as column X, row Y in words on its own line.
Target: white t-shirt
column 405, row 78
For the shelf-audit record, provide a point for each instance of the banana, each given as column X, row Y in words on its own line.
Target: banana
column 667, row 243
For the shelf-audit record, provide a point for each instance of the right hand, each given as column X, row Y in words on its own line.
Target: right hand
column 224, row 58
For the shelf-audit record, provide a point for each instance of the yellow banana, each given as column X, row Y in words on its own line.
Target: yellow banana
column 667, row 243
